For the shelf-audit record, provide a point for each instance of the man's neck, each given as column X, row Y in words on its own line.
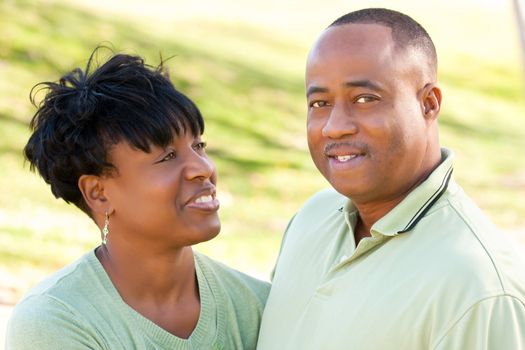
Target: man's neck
column 370, row 213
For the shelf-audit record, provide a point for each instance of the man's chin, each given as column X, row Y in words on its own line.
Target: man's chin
column 347, row 191
column 351, row 188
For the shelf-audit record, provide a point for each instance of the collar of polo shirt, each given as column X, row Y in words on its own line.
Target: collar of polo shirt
column 405, row 216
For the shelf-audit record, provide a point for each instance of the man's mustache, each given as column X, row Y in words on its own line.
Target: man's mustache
column 355, row 146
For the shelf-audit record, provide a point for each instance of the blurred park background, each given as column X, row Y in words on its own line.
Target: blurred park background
column 242, row 62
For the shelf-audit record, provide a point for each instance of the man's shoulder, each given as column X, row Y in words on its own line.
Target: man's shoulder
column 465, row 219
column 474, row 247
column 316, row 223
column 321, row 203
column 326, row 196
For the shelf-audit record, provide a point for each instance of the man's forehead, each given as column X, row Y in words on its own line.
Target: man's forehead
column 369, row 42
column 357, row 36
column 354, row 45
column 361, row 52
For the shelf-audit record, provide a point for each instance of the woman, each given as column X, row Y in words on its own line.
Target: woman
column 123, row 145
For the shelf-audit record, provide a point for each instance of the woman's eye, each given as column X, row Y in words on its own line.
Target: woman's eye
column 169, row 156
column 366, row 99
column 318, row 104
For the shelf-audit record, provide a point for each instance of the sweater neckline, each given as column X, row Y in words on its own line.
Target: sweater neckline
column 210, row 322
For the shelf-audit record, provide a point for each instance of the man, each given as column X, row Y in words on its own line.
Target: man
column 397, row 257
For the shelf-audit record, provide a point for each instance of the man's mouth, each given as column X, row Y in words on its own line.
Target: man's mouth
column 345, row 162
column 343, row 152
column 345, row 158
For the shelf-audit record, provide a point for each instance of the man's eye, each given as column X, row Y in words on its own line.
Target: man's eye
column 169, row 156
column 318, row 104
column 200, row 145
column 366, row 99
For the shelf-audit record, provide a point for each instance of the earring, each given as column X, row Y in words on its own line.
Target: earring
column 105, row 230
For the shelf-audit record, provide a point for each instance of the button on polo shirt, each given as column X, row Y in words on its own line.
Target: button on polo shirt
column 435, row 274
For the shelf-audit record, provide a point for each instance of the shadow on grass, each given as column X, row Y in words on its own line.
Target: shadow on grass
column 57, row 28
column 11, row 151
column 447, row 121
column 263, row 139
column 247, row 166
column 7, row 122
column 8, row 118
column 487, row 79
column 240, row 164
column 66, row 25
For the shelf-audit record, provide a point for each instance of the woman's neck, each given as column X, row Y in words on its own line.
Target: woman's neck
column 161, row 287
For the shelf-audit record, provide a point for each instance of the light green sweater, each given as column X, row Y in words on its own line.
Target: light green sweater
column 79, row 308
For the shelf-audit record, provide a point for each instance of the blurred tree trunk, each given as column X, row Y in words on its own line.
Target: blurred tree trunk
column 518, row 10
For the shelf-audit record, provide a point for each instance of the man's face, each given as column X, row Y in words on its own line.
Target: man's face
column 366, row 129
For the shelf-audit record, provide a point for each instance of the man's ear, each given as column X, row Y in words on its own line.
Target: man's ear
column 92, row 188
column 430, row 97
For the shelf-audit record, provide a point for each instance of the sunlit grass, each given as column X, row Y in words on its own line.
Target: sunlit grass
column 247, row 78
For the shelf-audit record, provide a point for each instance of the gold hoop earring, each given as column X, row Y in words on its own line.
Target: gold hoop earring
column 105, row 230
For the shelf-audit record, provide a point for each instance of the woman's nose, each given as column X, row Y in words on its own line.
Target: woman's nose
column 200, row 166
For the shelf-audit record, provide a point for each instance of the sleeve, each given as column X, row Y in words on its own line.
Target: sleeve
column 492, row 324
column 47, row 326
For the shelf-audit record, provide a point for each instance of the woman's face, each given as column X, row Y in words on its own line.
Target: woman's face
column 164, row 198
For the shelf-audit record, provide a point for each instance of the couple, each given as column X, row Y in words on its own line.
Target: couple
column 395, row 256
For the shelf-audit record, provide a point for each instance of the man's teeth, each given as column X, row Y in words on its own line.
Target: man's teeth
column 345, row 158
column 204, row 199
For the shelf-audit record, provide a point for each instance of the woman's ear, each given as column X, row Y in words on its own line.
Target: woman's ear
column 430, row 101
column 92, row 189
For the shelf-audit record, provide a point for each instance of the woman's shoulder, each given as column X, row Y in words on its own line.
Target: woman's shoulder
column 49, row 323
column 59, row 295
column 63, row 310
column 74, row 276
column 46, row 313
column 239, row 300
column 39, row 310
column 232, row 280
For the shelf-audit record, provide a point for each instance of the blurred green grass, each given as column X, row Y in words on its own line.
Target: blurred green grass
column 248, row 83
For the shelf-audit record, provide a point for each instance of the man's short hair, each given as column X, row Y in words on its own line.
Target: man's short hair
column 406, row 32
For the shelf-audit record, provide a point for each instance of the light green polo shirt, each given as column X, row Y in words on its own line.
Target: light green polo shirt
column 79, row 308
column 436, row 274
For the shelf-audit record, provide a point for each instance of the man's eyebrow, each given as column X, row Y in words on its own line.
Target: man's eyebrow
column 365, row 83
column 315, row 89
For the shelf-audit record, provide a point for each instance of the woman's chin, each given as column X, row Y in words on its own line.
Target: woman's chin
column 209, row 233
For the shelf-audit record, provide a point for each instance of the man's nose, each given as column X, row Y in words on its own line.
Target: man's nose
column 340, row 122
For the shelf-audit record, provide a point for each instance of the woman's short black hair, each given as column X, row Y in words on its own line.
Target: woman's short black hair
column 86, row 112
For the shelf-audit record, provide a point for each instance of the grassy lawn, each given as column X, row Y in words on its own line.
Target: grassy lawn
column 245, row 71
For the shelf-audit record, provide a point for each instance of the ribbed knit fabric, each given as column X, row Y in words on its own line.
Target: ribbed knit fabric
column 79, row 308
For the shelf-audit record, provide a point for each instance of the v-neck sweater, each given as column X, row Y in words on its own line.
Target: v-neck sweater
column 79, row 308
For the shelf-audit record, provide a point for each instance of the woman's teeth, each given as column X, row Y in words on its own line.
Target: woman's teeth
column 204, row 199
